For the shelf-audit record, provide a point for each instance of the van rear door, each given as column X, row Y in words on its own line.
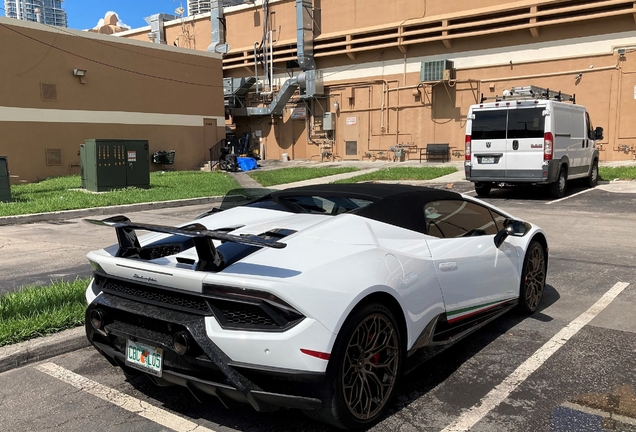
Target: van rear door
column 524, row 144
column 488, row 143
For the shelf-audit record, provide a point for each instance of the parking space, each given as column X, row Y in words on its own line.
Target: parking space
column 587, row 384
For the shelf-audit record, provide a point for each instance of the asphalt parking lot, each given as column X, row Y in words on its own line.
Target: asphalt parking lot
column 569, row 367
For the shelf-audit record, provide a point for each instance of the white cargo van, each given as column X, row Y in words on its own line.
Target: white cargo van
column 530, row 136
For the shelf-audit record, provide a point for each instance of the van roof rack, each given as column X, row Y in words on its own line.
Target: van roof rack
column 531, row 92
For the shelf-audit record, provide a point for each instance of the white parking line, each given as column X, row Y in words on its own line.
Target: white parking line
column 497, row 395
column 570, row 196
column 129, row 403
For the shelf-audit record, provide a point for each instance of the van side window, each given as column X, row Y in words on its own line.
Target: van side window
column 456, row 218
column 526, row 123
column 590, row 129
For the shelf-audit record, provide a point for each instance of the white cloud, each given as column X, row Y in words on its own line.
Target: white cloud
column 119, row 21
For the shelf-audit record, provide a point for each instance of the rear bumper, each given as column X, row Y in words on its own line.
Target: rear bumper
column 548, row 174
column 205, row 369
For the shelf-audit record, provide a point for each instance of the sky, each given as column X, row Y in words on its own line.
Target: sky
column 85, row 14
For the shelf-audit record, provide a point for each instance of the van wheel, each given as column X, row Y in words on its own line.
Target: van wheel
column 592, row 180
column 483, row 189
column 557, row 189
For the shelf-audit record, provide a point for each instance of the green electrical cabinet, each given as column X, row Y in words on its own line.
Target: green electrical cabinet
column 5, row 181
column 109, row 164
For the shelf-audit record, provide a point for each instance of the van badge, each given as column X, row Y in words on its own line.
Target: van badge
column 536, row 145
column 488, row 145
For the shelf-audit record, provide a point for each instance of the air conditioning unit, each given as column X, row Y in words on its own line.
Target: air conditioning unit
column 439, row 70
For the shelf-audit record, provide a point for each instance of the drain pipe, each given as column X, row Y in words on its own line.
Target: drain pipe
column 256, row 65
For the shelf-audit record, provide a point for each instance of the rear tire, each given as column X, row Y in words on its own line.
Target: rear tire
column 558, row 188
column 592, row 180
column 532, row 278
column 364, row 369
column 483, row 189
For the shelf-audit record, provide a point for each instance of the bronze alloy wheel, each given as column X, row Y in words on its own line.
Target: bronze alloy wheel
column 534, row 277
column 370, row 366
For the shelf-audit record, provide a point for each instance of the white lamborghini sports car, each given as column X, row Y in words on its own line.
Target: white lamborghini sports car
column 318, row 298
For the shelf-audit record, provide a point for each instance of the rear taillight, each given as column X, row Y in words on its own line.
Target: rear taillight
column 548, row 146
column 467, row 147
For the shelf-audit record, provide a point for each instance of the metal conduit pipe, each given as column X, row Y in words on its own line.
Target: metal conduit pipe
column 549, row 74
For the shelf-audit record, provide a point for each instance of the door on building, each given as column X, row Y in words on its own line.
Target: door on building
column 350, row 144
column 210, row 136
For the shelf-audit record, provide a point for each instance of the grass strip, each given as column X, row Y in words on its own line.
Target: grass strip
column 291, row 175
column 61, row 193
column 34, row 311
column 401, row 173
column 621, row 173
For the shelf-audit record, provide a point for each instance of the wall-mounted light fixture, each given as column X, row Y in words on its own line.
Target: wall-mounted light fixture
column 81, row 74
column 336, row 106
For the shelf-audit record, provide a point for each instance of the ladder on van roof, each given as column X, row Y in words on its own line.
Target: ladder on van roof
column 532, row 92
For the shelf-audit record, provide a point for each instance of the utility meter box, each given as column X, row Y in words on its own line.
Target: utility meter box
column 329, row 121
column 5, row 182
column 109, row 164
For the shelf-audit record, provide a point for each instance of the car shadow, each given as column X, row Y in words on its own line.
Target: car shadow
column 435, row 371
column 420, row 381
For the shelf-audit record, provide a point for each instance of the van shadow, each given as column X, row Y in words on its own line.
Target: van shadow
column 532, row 193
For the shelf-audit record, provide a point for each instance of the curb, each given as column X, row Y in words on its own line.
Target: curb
column 71, row 214
column 35, row 350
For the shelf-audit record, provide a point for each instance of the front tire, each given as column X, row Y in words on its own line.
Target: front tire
column 592, row 180
column 483, row 189
column 364, row 369
column 558, row 188
column 532, row 278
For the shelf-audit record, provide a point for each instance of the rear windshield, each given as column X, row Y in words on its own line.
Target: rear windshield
column 489, row 125
column 525, row 123
column 522, row 123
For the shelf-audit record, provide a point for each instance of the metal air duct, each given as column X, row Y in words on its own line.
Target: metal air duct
column 157, row 33
column 218, row 28
column 305, row 34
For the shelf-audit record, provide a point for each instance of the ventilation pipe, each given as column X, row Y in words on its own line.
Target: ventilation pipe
column 157, row 32
column 218, row 28
column 305, row 34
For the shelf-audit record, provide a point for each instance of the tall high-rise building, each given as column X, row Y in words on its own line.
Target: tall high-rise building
column 45, row 11
column 196, row 7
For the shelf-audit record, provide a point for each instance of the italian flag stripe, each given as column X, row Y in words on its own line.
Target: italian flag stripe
column 460, row 314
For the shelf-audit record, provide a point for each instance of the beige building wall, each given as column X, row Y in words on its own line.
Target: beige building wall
column 370, row 53
column 131, row 90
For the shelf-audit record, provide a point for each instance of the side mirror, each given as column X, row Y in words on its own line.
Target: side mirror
column 598, row 134
column 512, row 227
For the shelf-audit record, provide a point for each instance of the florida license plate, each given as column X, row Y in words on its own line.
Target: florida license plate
column 488, row 160
column 144, row 357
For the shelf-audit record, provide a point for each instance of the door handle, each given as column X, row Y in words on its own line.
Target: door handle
column 515, row 144
column 448, row 266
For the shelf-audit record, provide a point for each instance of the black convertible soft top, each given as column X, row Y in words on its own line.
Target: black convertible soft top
column 395, row 204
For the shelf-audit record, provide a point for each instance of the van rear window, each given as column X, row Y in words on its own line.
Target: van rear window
column 488, row 125
column 525, row 123
column 522, row 123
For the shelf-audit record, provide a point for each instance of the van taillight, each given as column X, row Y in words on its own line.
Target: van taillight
column 467, row 147
column 548, row 146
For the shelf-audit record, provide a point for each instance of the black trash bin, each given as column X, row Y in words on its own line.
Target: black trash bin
column 162, row 157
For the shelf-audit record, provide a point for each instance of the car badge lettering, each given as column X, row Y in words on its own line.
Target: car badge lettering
column 144, row 278
column 488, row 145
column 536, row 145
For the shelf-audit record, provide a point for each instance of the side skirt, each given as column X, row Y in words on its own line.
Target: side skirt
column 439, row 334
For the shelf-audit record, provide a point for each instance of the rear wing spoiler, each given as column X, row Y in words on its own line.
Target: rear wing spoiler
column 209, row 257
